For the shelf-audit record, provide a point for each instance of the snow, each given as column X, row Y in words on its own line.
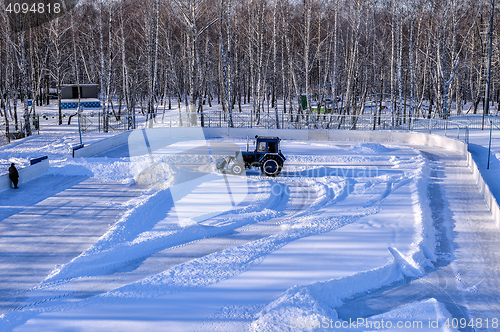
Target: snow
column 181, row 247
column 479, row 144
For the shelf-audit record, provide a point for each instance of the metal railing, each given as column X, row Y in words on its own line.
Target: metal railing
column 94, row 122
column 478, row 121
column 454, row 129
column 458, row 127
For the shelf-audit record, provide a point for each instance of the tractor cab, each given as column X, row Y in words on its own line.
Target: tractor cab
column 267, row 144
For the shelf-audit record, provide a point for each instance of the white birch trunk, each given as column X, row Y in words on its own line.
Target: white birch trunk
column 103, row 70
column 24, row 87
column 275, row 60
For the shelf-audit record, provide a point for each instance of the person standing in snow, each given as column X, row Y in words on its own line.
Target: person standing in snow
column 13, row 175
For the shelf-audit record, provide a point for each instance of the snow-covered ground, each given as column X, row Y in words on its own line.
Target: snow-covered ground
column 355, row 237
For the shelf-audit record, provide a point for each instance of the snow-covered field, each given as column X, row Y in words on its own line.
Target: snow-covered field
column 86, row 247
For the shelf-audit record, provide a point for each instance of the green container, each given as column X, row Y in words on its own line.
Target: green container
column 303, row 101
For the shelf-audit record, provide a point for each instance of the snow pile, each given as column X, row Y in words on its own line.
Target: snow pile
column 402, row 163
column 163, row 175
column 292, row 312
column 106, row 169
column 370, row 148
column 319, row 300
column 406, row 265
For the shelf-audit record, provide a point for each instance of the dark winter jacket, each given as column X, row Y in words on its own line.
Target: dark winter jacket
column 13, row 174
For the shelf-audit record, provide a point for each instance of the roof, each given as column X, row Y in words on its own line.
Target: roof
column 268, row 138
column 82, row 85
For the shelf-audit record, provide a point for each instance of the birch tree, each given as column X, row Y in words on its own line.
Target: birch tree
column 196, row 18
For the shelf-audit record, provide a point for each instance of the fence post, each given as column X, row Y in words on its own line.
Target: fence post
column 79, row 124
column 489, row 146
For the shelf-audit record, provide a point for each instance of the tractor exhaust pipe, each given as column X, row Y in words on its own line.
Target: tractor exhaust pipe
column 247, row 143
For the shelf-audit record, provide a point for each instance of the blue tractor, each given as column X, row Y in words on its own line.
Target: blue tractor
column 267, row 156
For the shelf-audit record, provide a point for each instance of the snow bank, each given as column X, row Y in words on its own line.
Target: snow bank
column 371, row 148
column 103, row 168
column 317, row 301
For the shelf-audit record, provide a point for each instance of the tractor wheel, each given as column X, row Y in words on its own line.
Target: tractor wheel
column 237, row 169
column 271, row 166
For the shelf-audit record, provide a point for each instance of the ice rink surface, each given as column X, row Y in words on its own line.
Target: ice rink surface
column 346, row 232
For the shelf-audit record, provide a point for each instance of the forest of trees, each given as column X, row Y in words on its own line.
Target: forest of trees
column 236, row 52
